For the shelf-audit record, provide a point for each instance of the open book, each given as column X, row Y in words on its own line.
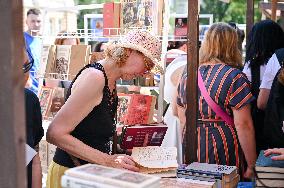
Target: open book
column 153, row 159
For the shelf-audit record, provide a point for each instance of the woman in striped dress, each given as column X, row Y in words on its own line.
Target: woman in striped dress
column 219, row 142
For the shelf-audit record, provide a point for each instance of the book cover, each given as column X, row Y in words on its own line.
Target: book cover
column 57, row 101
column 180, row 26
column 111, row 17
column 263, row 161
column 135, row 109
column 205, row 167
column 71, row 182
column 146, row 14
column 112, row 176
column 97, row 26
column 62, row 61
column 133, row 136
column 80, row 55
column 44, row 59
column 45, row 95
column 154, row 159
column 49, row 72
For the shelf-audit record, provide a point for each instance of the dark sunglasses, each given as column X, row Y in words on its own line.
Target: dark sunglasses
column 233, row 25
column 27, row 66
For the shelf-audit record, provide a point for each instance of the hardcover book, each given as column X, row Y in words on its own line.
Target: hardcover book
column 269, row 173
column 146, row 14
column 62, row 61
column 111, row 17
column 45, row 95
column 133, row 136
column 56, row 102
column 180, row 26
column 48, row 70
column 112, row 176
column 135, row 109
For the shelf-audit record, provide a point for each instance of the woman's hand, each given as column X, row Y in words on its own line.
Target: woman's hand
column 123, row 161
column 249, row 173
column 279, row 151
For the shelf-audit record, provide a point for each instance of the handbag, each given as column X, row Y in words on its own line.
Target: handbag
column 215, row 107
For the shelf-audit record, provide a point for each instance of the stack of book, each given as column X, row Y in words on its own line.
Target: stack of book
column 92, row 175
column 224, row 176
column 269, row 173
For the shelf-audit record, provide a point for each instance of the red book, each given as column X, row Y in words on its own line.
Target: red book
column 133, row 136
column 135, row 109
column 111, row 17
column 181, row 27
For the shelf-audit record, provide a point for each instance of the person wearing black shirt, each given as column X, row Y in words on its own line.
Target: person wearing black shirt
column 34, row 130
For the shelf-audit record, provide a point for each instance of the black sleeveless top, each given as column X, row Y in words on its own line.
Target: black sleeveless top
column 97, row 128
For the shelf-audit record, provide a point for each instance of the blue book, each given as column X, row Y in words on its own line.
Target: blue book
column 263, row 161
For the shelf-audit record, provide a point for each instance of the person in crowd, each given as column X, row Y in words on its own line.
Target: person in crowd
column 221, row 141
column 265, row 37
column 33, row 43
column 34, row 130
column 83, row 127
column 241, row 34
column 100, row 47
column 64, row 39
column 279, row 151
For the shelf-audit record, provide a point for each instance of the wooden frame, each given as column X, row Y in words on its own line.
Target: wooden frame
column 12, row 134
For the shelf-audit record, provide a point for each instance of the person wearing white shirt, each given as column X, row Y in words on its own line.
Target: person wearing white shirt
column 271, row 70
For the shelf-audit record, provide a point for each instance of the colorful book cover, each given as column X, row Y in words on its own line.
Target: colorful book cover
column 111, row 17
column 135, row 109
column 180, row 26
column 62, row 61
column 146, row 14
column 57, row 101
column 134, row 136
column 45, row 99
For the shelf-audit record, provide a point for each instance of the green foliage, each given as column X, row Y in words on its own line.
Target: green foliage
column 234, row 11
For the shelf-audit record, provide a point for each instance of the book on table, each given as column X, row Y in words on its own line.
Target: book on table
column 110, row 177
column 224, row 176
column 134, row 136
column 269, row 172
column 155, row 159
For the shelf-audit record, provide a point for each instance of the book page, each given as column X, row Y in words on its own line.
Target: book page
column 44, row 99
column 155, row 156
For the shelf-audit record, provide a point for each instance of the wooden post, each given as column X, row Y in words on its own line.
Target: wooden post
column 250, row 17
column 191, row 90
column 273, row 9
column 12, row 119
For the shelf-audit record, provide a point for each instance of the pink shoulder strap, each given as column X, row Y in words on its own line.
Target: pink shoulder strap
column 215, row 107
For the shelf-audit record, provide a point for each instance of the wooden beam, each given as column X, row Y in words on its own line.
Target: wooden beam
column 273, row 9
column 191, row 90
column 12, row 119
column 264, row 5
column 250, row 17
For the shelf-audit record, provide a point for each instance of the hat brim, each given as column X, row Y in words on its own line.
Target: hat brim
column 157, row 69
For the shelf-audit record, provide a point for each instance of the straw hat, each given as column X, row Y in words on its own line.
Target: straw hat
column 144, row 42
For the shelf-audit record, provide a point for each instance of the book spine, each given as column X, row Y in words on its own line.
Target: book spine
column 69, row 182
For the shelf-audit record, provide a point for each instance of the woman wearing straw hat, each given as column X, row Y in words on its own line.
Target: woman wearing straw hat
column 82, row 128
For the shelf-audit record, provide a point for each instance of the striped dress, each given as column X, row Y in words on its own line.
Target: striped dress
column 229, row 88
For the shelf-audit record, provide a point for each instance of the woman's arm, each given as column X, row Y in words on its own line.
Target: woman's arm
column 86, row 94
column 36, row 172
column 263, row 98
column 245, row 130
